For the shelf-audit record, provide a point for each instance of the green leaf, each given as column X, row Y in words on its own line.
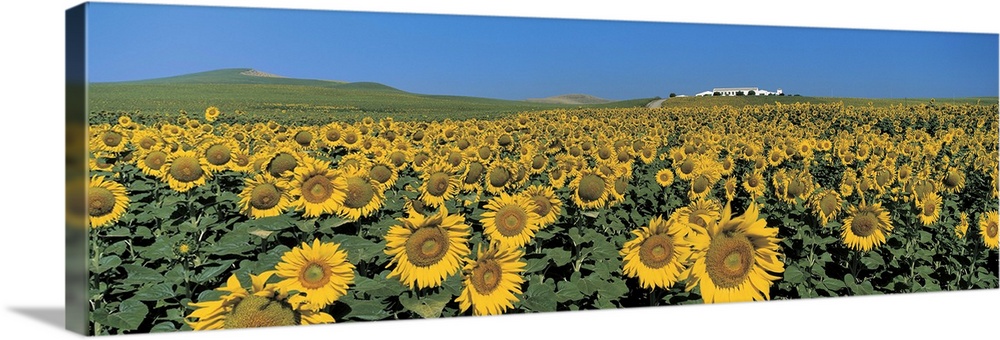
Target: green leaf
column 360, row 249
column 306, row 226
column 161, row 249
column 608, row 291
column 155, row 292
column 568, row 291
column 365, row 309
column 873, row 260
column 559, row 256
column 165, row 326
column 107, row 262
column 865, row 288
column 591, row 214
column 129, row 316
column 794, row 275
column 139, row 275
column 232, row 243
column 535, row 265
column 212, row 272
column 427, row 306
column 833, row 284
column 540, row 296
column 176, row 275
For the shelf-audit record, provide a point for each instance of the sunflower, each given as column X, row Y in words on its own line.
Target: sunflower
column 735, row 258
column 866, row 226
column 216, row 154
column 930, row 208
column 151, row 162
column 109, row 140
column 548, row 206
column 321, row 271
column 499, row 178
column 826, row 204
column 659, row 253
column 492, row 281
column 988, row 228
column 364, row 195
column 316, row 189
column 440, row 183
column 260, row 306
column 953, row 181
column 472, row 176
column 700, row 212
column 264, row 196
column 591, row 189
column 962, row 227
column 106, row 201
column 183, row 170
column 754, row 184
column 665, row 177
column 283, row 158
column 511, row 220
column 212, row 113
column 427, row 249
column 384, row 173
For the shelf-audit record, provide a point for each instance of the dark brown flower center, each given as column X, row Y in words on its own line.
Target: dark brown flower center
column 656, row 251
column 264, row 196
column 486, row 276
column 218, row 154
column 281, row 163
column 511, row 220
column 427, row 246
column 258, row 311
column 542, row 205
column 729, row 260
column 591, row 188
column 111, row 138
column 437, row 184
column 102, row 201
column 359, row 193
column 155, row 160
column 499, row 177
column 864, row 225
column 186, row 169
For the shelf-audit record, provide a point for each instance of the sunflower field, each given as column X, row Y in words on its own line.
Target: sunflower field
column 200, row 222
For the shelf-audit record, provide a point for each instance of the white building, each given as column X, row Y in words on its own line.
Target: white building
column 739, row 91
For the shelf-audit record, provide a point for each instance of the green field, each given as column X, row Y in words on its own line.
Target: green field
column 287, row 100
column 311, row 101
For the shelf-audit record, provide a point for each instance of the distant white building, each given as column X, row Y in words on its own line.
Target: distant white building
column 739, row 91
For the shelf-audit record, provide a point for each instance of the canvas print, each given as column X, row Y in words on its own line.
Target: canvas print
column 234, row 171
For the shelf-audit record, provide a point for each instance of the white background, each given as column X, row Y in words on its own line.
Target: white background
column 31, row 73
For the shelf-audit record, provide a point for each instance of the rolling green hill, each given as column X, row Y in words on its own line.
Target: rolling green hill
column 289, row 100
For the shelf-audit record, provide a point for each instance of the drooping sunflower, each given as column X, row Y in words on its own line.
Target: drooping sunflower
column 665, row 177
column 320, row 271
column 183, row 170
column 866, row 226
column 499, row 177
column 282, row 158
column 988, row 228
column 364, row 195
column 427, row 249
column 511, row 220
column 953, row 181
column 492, row 281
column 591, row 189
column 106, row 201
column 700, row 212
column 930, row 208
column 826, row 204
column 735, row 259
column 548, row 206
column 264, row 196
column 658, row 254
column 317, row 189
column 260, row 306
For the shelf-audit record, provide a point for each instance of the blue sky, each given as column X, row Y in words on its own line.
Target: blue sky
column 518, row 58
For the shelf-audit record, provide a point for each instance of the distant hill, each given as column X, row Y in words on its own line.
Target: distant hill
column 252, row 76
column 572, row 99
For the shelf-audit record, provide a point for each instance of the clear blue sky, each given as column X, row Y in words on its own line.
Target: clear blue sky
column 518, row 58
